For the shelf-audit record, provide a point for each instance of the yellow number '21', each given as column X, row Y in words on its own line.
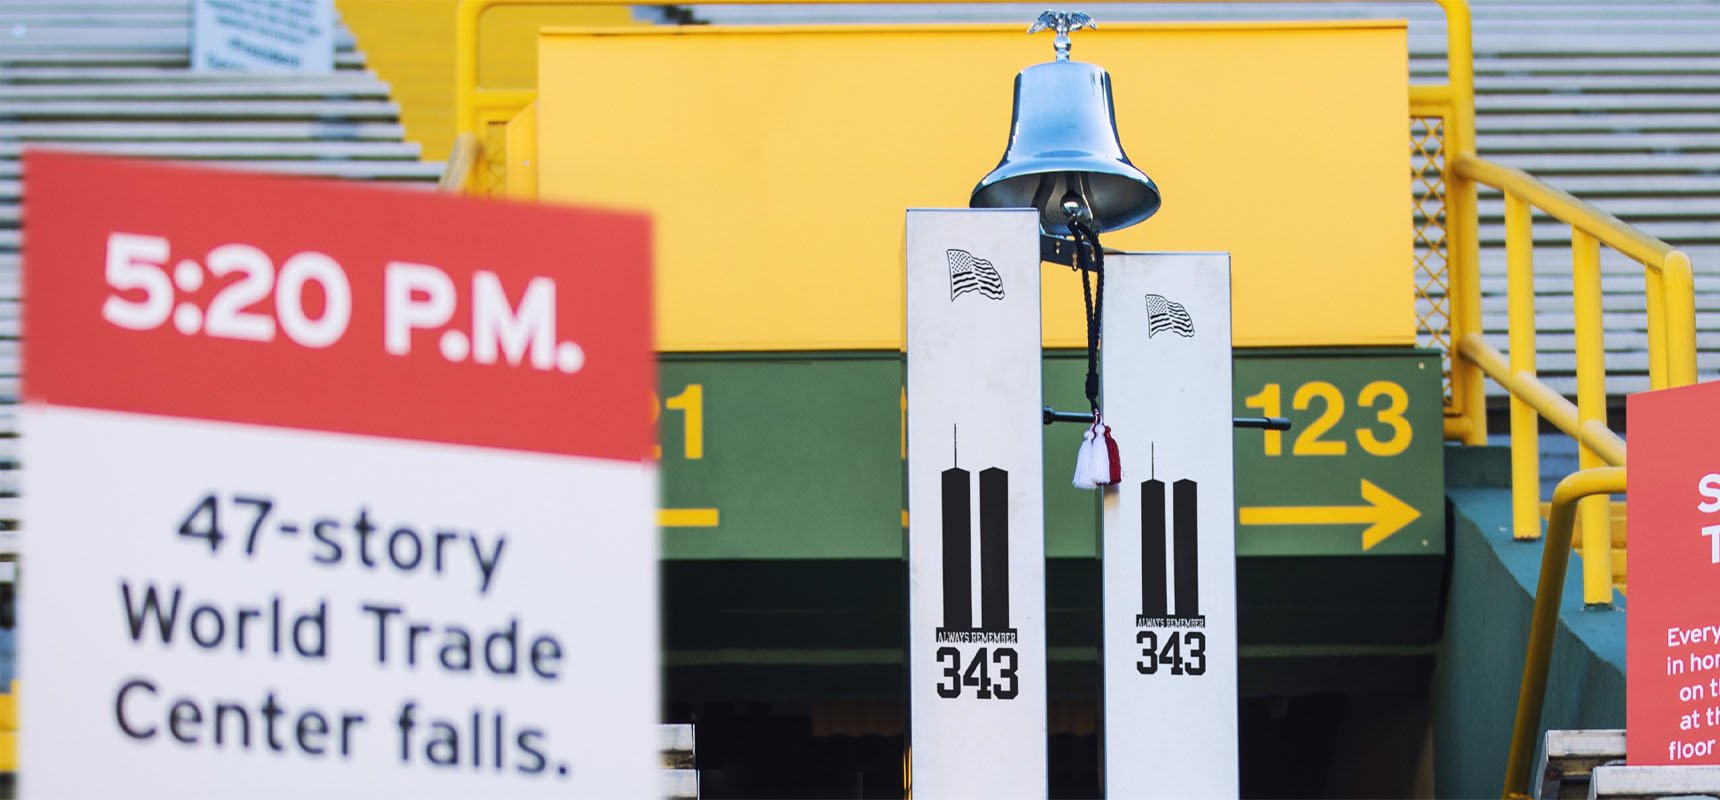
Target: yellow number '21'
column 691, row 403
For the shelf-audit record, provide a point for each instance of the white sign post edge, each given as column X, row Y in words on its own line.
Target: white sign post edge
column 977, row 658
column 1169, row 718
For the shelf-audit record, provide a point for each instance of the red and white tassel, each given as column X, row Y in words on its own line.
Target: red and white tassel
column 1097, row 462
column 1107, row 466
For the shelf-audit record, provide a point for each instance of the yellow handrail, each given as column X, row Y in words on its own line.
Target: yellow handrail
column 1671, row 306
column 1618, row 234
column 1542, row 399
column 1549, row 592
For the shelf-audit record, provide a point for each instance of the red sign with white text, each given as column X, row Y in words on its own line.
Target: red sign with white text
column 332, row 491
column 1672, row 686
column 309, row 304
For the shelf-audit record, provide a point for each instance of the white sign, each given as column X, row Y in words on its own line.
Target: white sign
column 262, row 36
column 296, row 533
column 976, row 510
column 1169, row 548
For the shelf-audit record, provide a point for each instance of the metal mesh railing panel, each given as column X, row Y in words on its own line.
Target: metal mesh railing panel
column 1432, row 254
column 490, row 173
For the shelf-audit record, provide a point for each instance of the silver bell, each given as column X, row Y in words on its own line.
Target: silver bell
column 1062, row 140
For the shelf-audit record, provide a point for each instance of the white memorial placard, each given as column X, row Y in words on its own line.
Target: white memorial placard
column 976, row 541
column 325, row 510
column 262, row 36
column 1168, row 550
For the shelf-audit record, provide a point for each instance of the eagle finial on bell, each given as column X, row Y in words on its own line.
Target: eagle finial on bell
column 1062, row 22
column 1063, row 145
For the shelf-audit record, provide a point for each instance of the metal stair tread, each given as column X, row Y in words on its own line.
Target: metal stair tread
column 1624, row 781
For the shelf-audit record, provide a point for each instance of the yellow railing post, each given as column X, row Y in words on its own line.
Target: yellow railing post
column 1549, row 591
column 1462, row 225
column 1672, row 345
column 1551, row 405
column 1670, row 297
column 466, row 65
column 475, row 107
column 1591, row 407
column 1525, row 440
column 1654, row 293
column 1680, row 292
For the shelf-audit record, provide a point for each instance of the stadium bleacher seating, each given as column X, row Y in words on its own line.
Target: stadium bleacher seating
column 113, row 77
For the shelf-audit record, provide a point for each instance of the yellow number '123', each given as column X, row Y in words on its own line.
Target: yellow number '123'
column 1310, row 442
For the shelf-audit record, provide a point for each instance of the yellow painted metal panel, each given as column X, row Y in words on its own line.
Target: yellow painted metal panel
column 410, row 44
column 777, row 164
column 522, row 138
column 9, row 730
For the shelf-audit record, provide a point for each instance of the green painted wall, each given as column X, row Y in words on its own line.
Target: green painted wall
column 1480, row 664
column 799, row 589
column 800, row 456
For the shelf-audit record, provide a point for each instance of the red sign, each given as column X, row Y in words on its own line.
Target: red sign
column 338, row 486
column 287, row 302
column 1672, row 688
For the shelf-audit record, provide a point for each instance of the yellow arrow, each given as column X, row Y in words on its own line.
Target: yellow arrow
column 1384, row 515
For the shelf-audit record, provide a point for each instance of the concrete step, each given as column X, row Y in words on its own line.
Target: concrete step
column 358, row 85
column 205, row 151
column 1555, row 284
column 1503, row 145
column 1603, row 121
column 322, row 130
column 214, row 110
column 1575, row 67
column 48, row 76
column 137, row 34
column 1593, row 187
column 1562, row 83
column 175, row 59
column 1616, row 163
column 1622, row 303
column 1630, row 209
column 1633, row 320
column 1616, row 342
column 422, row 171
column 1574, row 103
column 1684, row 232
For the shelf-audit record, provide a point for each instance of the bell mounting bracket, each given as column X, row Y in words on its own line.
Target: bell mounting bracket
column 1049, row 415
column 1059, row 250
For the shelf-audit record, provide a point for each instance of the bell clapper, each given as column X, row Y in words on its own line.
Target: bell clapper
column 1075, row 208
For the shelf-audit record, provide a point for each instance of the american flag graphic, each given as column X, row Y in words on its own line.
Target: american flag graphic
column 972, row 274
column 1164, row 315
